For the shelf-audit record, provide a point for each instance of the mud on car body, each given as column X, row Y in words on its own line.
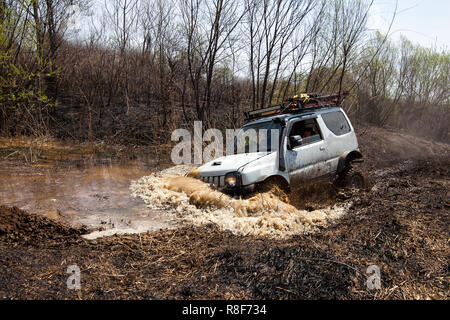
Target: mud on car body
column 315, row 142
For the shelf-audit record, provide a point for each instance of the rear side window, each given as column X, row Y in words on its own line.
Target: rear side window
column 336, row 122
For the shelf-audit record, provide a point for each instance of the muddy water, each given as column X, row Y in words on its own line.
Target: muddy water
column 91, row 193
column 194, row 202
column 131, row 196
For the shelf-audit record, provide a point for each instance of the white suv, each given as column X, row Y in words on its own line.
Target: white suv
column 315, row 141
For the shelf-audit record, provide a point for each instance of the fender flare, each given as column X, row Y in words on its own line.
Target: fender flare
column 348, row 156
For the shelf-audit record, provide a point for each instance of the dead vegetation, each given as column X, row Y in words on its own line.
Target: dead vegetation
column 140, row 69
column 29, row 151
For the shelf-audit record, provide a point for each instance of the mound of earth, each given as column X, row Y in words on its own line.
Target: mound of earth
column 383, row 147
column 17, row 226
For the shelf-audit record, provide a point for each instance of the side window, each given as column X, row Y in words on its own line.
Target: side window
column 336, row 122
column 308, row 130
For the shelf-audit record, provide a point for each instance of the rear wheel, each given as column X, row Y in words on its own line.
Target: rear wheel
column 355, row 180
column 352, row 177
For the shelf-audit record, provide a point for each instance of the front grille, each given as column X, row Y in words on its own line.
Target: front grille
column 218, row 181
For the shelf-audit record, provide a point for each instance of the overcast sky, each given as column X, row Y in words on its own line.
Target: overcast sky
column 422, row 21
column 426, row 22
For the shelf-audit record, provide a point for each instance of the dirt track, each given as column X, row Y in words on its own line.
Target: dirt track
column 401, row 226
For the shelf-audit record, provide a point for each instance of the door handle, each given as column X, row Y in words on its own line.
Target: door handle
column 322, row 148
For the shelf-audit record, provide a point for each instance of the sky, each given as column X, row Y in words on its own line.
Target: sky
column 426, row 22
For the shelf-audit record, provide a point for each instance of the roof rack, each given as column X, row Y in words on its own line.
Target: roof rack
column 304, row 102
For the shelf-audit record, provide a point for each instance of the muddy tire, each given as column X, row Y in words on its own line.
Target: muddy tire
column 352, row 177
column 355, row 180
column 277, row 186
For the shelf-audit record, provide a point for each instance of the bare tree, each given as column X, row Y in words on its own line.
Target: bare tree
column 271, row 26
column 217, row 20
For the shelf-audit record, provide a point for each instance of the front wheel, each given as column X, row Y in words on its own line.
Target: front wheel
column 276, row 185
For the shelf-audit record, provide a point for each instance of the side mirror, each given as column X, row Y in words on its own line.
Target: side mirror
column 295, row 141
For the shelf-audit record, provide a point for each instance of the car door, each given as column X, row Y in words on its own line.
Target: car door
column 308, row 160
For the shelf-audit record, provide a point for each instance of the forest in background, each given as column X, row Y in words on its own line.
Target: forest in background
column 132, row 71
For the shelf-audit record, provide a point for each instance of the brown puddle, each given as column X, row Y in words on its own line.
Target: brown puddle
column 92, row 193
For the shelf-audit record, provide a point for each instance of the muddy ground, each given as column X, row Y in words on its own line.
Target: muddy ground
column 402, row 226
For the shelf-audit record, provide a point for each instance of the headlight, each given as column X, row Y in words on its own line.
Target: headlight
column 230, row 180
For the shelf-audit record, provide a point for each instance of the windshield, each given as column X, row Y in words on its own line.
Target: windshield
column 257, row 137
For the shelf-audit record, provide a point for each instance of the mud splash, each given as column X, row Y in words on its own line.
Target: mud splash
column 194, row 202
